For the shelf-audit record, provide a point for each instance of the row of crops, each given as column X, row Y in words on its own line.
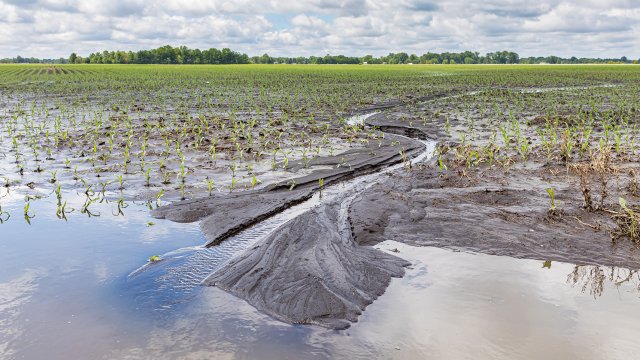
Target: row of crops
column 143, row 132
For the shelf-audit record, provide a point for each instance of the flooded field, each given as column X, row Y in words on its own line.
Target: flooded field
column 309, row 213
column 66, row 292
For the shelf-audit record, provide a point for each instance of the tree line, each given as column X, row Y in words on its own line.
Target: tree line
column 163, row 55
column 31, row 60
column 466, row 57
column 184, row 55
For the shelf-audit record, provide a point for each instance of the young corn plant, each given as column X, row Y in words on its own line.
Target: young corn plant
column 553, row 211
column 28, row 215
column 147, row 177
column 628, row 223
column 210, row 185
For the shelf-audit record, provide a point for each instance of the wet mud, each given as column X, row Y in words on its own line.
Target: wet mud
column 321, row 268
column 495, row 213
column 223, row 215
column 310, row 272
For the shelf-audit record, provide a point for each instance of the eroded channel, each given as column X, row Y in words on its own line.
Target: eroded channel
column 182, row 271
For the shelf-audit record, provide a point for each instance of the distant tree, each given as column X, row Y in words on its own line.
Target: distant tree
column 553, row 60
column 266, row 59
column 401, row 58
column 512, row 58
column 72, row 58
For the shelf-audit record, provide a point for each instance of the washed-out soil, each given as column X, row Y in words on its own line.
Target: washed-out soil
column 225, row 214
column 497, row 211
column 320, row 268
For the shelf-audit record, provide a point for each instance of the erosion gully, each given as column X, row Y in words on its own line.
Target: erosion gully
column 76, row 289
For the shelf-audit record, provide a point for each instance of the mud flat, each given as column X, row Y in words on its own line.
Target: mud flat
column 496, row 212
column 310, row 272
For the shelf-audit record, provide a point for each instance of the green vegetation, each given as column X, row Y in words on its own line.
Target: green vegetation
column 628, row 222
column 163, row 55
column 136, row 131
column 184, row 55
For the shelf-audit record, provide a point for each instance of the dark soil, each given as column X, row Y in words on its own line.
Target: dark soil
column 308, row 272
column 494, row 212
column 315, row 269
column 224, row 215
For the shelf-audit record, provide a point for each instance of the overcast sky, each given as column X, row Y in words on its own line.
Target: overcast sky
column 55, row 28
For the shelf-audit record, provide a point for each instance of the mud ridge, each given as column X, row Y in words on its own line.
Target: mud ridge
column 224, row 215
column 309, row 272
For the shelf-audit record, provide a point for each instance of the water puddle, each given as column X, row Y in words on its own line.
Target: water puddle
column 63, row 286
column 565, row 88
column 456, row 305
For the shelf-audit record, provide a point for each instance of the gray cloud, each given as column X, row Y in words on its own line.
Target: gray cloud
column 422, row 5
column 52, row 28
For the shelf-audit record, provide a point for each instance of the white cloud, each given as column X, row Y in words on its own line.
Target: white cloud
column 52, row 28
column 572, row 18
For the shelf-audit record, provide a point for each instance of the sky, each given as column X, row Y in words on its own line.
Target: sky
column 582, row 28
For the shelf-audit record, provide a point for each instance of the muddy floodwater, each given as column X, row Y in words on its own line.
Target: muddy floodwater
column 74, row 290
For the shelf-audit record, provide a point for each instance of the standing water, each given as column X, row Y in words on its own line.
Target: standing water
column 76, row 289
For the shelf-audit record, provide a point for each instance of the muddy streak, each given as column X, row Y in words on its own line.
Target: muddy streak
column 186, row 268
column 307, row 272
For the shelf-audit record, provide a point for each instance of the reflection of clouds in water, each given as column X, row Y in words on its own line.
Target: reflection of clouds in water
column 498, row 307
column 101, row 271
column 162, row 228
column 220, row 326
column 13, row 295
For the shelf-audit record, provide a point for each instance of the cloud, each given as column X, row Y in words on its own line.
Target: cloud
column 421, row 5
column 53, row 28
column 573, row 18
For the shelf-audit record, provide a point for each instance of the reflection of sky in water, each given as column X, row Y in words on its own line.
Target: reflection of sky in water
column 65, row 293
column 471, row 305
column 14, row 294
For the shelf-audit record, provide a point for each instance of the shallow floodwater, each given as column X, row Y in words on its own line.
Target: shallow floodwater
column 66, row 292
